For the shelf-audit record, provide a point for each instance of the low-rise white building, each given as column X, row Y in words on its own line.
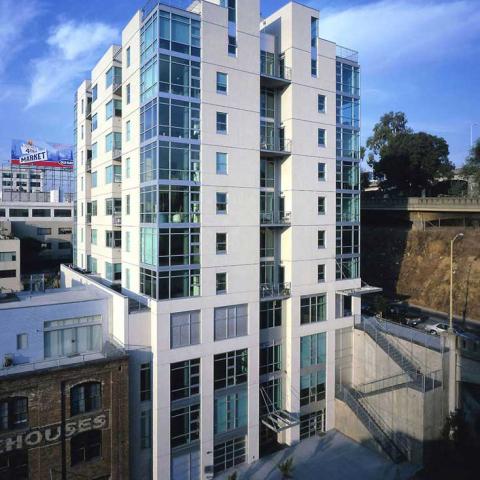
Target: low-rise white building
column 9, row 263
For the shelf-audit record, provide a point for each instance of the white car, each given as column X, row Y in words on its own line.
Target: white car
column 436, row 328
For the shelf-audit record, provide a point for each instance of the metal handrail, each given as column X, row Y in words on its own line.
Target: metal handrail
column 275, row 289
column 272, row 218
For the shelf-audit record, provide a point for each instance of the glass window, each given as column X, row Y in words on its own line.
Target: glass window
column 184, row 425
column 148, row 121
column 232, row 45
column 75, row 339
column 270, row 359
column 8, row 256
column 221, row 243
column 270, row 314
column 128, row 94
column 321, row 103
column 184, row 379
column 230, row 368
column 230, row 412
column 221, row 283
column 222, row 82
column 128, row 57
column 312, row 350
column 221, row 163
column 93, row 236
column 148, row 81
column 94, row 151
column 321, row 137
column 184, row 329
column 94, row 93
column 321, row 205
column 86, row 446
column 321, row 273
column 221, row 203
column 312, row 424
column 312, row 387
column 145, row 382
column 321, row 239
column 313, row 67
column 85, row 397
column 313, row 309
column 231, row 322
column 221, row 122
column 321, row 172
column 13, row 413
column 348, row 268
column 22, row 341
column 94, row 122
column 228, row 454
column 14, row 465
column 128, row 130
column 146, row 429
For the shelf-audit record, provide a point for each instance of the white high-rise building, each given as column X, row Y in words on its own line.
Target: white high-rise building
column 218, row 182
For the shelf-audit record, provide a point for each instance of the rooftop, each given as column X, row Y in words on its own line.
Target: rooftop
column 54, row 297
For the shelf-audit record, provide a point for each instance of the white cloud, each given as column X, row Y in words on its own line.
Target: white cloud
column 410, row 31
column 14, row 18
column 73, row 49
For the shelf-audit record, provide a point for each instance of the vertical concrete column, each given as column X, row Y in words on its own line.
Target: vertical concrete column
column 330, row 381
column 253, row 446
column 207, row 413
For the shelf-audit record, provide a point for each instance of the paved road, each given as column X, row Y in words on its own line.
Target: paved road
column 434, row 317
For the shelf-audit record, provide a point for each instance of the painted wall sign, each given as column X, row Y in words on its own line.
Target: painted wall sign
column 50, row 434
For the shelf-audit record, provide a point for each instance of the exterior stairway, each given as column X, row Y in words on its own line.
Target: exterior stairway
column 389, row 344
column 373, row 422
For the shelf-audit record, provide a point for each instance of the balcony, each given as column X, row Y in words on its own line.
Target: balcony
column 274, row 145
column 275, row 75
column 117, row 154
column 273, row 291
column 347, row 54
column 88, row 166
column 117, row 219
column 275, row 219
column 89, row 218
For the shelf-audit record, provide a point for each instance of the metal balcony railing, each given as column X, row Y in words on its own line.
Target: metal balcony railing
column 116, row 153
column 273, row 290
column 275, row 218
column 347, row 54
column 276, row 69
column 117, row 219
column 275, row 144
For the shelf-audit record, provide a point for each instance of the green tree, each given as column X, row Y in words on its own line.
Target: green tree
column 471, row 168
column 390, row 125
column 412, row 162
column 286, row 468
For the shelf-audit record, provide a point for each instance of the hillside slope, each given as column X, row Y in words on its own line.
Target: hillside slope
column 416, row 265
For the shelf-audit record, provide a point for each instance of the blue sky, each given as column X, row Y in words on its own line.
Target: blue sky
column 420, row 57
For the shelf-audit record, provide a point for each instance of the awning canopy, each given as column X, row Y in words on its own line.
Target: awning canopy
column 359, row 291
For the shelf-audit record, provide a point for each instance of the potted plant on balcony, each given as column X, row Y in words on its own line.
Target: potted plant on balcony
column 286, row 468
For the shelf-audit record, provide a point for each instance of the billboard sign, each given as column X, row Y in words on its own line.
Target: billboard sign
column 37, row 153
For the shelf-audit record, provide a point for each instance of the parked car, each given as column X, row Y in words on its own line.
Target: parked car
column 436, row 328
column 412, row 319
column 396, row 312
column 368, row 310
column 418, row 313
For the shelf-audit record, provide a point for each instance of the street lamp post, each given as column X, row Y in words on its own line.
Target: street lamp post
column 458, row 236
column 452, row 341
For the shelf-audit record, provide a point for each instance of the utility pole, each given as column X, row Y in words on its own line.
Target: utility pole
column 458, row 236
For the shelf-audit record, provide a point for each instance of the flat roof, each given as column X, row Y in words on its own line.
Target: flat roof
column 55, row 296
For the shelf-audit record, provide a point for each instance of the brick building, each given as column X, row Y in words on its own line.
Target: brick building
column 66, row 422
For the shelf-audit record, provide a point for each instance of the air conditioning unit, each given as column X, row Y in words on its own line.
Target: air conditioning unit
column 8, row 360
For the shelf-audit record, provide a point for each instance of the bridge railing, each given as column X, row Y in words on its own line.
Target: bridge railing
column 420, row 203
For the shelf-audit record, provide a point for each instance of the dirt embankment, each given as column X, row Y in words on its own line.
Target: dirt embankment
column 416, row 265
